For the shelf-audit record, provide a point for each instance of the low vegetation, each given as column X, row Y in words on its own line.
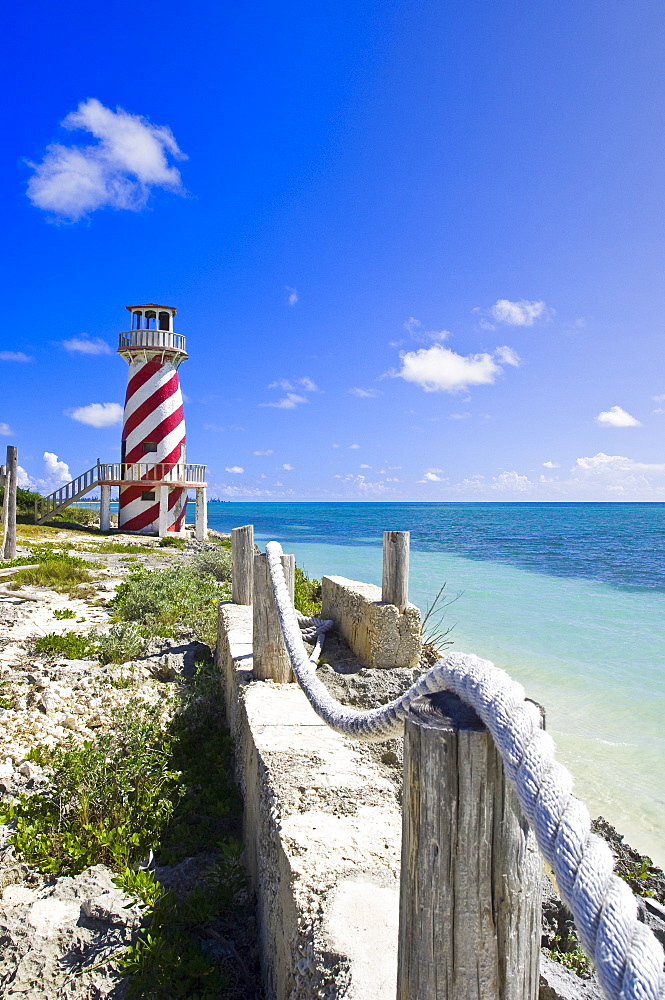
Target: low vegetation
column 157, row 782
column 306, row 594
column 171, row 542
column 214, row 562
column 123, row 642
column 70, row 646
column 62, row 613
column 55, row 568
column 169, row 600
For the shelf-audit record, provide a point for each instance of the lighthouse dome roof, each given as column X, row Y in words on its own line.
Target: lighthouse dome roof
column 152, row 305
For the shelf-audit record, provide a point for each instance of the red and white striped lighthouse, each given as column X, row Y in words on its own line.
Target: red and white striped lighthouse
column 153, row 433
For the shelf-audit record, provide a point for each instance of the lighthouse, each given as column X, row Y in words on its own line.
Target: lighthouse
column 153, row 475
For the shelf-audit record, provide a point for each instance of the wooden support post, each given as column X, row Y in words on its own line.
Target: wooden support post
column 105, row 508
column 11, row 482
column 470, row 881
column 163, row 521
column 242, row 555
column 3, row 483
column 395, row 588
column 201, row 521
column 271, row 660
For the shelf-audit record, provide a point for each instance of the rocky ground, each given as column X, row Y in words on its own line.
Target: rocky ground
column 60, row 935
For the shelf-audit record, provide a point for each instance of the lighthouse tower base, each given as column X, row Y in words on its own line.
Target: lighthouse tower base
column 155, row 506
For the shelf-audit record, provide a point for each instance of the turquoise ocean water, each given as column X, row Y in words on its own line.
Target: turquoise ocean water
column 569, row 598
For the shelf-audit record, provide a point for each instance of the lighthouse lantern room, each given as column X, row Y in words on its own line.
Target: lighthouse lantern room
column 153, row 475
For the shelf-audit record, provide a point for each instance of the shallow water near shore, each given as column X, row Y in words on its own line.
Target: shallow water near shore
column 569, row 598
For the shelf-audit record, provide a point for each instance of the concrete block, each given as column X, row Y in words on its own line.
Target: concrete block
column 378, row 634
column 322, row 834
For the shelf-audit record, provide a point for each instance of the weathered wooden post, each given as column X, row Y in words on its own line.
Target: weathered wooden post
column 395, row 589
column 470, row 880
column 271, row 660
column 242, row 558
column 3, row 483
column 11, row 483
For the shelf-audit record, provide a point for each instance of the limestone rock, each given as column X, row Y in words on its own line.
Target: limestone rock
column 559, row 983
column 59, row 929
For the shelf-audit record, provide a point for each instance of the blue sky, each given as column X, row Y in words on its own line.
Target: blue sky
column 416, row 248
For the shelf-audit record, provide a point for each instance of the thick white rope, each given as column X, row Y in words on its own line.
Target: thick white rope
column 627, row 956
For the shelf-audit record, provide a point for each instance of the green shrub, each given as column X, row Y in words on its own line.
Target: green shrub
column 167, row 599
column 214, row 562
column 306, row 594
column 61, row 613
column 171, row 542
column 108, row 548
column 71, row 645
column 56, row 569
column 25, row 500
column 167, row 961
column 77, row 515
column 108, row 802
column 121, row 643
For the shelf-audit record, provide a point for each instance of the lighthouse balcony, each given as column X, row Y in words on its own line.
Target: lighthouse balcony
column 152, row 340
column 159, row 473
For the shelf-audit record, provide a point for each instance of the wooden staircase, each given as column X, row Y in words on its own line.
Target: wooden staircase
column 56, row 502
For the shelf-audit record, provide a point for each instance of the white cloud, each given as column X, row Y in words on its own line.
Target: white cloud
column 365, row 393
column 289, row 468
column 293, row 295
column 363, row 466
column 56, row 469
column 550, row 465
column 438, row 369
column 293, row 398
column 305, row 384
column 289, row 402
column 268, row 451
column 235, row 469
column 507, row 356
column 522, row 313
column 14, row 356
column 86, row 345
column 23, row 479
column 354, row 446
column 5, row 430
column 616, row 417
column 334, row 446
column 97, row 414
column 458, row 416
column 130, row 157
column 417, row 331
column 431, row 476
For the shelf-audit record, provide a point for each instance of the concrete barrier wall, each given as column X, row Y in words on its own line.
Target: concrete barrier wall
column 323, row 833
column 378, row 634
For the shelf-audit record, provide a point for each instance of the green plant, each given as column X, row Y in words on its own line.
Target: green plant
column 574, row 959
column 121, row 643
column 214, row 562
column 433, row 631
column 5, row 702
column 71, row 645
column 171, row 542
column 306, row 594
column 76, row 515
column 637, row 875
column 167, row 599
column 55, row 569
column 111, row 548
column 108, row 802
column 61, row 613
